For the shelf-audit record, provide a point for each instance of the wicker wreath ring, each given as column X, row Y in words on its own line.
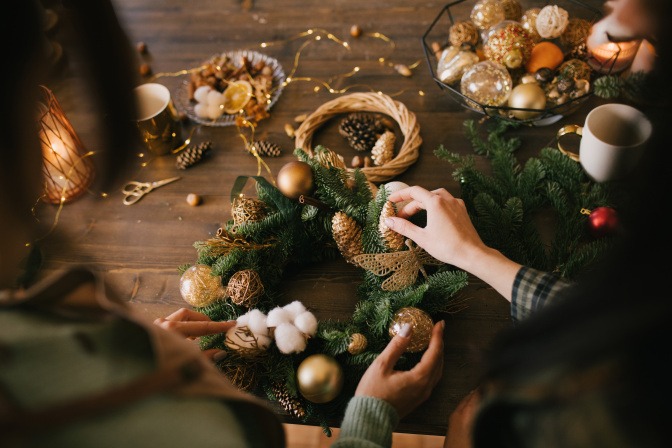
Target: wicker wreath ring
column 368, row 102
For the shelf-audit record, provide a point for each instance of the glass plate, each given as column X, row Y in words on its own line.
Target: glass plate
column 183, row 102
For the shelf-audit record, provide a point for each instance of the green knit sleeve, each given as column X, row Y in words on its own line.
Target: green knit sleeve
column 368, row 423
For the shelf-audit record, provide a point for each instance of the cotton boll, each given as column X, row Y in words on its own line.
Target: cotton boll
column 257, row 322
column 243, row 320
column 201, row 94
column 306, row 323
column 289, row 339
column 277, row 316
column 294, row 309
column 215, row 97
column 201, row 110
column 263, row 341
column 214, row 111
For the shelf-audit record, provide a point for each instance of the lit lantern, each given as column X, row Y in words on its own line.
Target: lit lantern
column 66, row 165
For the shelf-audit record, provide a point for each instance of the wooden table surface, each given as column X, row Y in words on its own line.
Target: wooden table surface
column 138, row 248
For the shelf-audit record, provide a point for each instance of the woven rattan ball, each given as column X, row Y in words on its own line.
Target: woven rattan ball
column 245, row 288
column 368, row 102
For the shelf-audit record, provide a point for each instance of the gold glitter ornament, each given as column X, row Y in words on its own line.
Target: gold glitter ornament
column 508, row 44
column 463, row 33
column 488, row 83
column 245, row 210
column 358, row 343
column 420, row 322
column 529, row 22
column 487, row 13
column 245, row 288
column 295, row 179
column 319, row 378
column 199, row 287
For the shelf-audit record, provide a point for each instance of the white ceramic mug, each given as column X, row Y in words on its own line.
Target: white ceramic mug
column 157, row 120
column 613, row 138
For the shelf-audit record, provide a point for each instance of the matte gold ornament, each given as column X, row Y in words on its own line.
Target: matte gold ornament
column 527, row 96
column 347, row 234
column 394, row 240
column 245, row 210
column 245, row 288
column 404, row 266
column 358, row 343
column 199, row 287
column 420, row 322
column 295, row 179
column 319, row 378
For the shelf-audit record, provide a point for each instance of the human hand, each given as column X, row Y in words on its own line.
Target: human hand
column 461, row 422
column 449, row 234
column 192, row 324
column 404, row 390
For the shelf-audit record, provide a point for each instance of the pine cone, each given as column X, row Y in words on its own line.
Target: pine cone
column 348, row 236
column 394, row 240
column 383, row 150
column 361, row 130
column 266, row 148
column 192, row 155
column 291, row 404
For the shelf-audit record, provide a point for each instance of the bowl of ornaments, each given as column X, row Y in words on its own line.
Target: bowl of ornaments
column 524, row 64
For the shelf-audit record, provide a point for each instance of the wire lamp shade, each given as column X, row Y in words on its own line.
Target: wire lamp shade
column 66, row 165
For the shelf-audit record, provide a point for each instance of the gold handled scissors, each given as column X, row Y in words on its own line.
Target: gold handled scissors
column 134, row 191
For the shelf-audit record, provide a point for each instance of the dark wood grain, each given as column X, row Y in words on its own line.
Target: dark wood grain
column 138, row 248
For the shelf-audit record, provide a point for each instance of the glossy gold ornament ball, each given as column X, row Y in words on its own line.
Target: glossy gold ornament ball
column 295, row 179
column 320, row 378
column 421, row 323
column 527, row 96
column 199, row 287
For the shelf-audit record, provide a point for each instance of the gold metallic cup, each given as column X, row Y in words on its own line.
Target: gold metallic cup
column 157, row 120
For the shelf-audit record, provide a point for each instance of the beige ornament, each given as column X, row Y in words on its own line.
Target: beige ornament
column 404, row 266
column 420, row 322
column 393, row 240
column 552, row 21
column 245, row 288
column 383, row 151
column 245, row 210
column 347, row 234
column 319, row 378
column 358, row 343
column 199, row 287
column 246, row 343
column 463, row 33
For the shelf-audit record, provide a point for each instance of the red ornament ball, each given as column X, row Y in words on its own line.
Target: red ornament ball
column 603, row 221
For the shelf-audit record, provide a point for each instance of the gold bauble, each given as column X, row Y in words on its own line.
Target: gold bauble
column 320, row 378
column 527, row 96
column 358, row 343
column 199, row 287
column 421, row 323
column 295, row 179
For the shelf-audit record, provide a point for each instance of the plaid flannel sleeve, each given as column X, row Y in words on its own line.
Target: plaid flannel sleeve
column 532, row 290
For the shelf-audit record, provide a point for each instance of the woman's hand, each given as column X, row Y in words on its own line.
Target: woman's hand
column 192, row 324
column 404, row 390
column 461, row 422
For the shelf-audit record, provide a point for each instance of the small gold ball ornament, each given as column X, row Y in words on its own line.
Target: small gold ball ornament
column 199, row 287
column 421, row 323
column 295, row 179
column 527, row 96
column 358, row 343
column 320, row 378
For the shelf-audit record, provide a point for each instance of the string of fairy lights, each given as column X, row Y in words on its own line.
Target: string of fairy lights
column 246, row 127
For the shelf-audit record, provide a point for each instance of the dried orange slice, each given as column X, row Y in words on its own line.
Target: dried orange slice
column 236, row 96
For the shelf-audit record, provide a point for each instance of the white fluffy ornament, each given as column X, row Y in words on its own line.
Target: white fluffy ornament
column 289, row 339
column 201, row 94
column 306, row 322
column 257, row 322
column 294, row 309
column 277, row 316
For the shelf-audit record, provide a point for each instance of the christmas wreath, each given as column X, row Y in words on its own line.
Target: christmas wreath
column 311, row 369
